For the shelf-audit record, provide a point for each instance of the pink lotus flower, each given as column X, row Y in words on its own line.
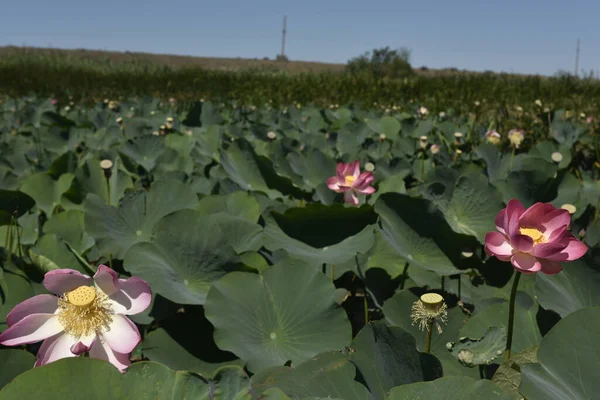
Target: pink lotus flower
column 534, row 239
column 89, row 315
column 349, row 180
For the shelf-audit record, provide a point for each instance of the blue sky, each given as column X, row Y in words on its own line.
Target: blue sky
column 526, row 36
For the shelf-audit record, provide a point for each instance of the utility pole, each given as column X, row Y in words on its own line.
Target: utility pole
column 577, row 59
column 283, row 36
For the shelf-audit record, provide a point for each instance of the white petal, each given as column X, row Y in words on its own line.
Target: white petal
column 122, row 335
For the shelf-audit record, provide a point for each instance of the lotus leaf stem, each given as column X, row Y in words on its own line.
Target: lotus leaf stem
column 511, row 315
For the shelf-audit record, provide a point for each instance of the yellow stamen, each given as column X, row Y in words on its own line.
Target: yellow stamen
column 84, row 311
column 535, row 234
column 349, row 180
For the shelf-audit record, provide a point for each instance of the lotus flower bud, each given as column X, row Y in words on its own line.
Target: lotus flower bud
column 119, row 120
column 271, row 135
column 492, row 137
column 435, row 149
column 516, row 137
column 423, row 111
column 442, row 114
column 382, row 136
column 370, row 167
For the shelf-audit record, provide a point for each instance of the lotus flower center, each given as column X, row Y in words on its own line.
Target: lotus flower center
column 535, row 234
column 82, row 296
column 84, row 311
column 349, row 180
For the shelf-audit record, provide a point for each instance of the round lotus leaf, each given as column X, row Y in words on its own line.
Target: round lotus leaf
column 288, row 313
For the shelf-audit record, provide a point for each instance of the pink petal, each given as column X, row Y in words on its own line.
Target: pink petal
column 40, row 304
column 535, row 215
column 356, row 169
column 557, row 234
column 550, row 267
column 525, row 262
column 363, row 180
column 575, row 249
column 55, row 348
column 60, row 281
column 132, row 296
column 497, row 245
column 522, row 243
column 340, row 171
column 122, row 335
column 514, row 209
column 333, row 183
column 550, row 251
column 555, row 220
column 102, row 351
column 83, row 345
column 350, row 198
column 106, row 279
column 31, row 329
column 500, row 218
column 367, row 190
column 567, row 249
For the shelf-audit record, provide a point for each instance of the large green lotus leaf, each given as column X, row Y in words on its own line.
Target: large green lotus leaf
column 508, row 375
column 528, row 186
column 546, row 148
column 569, row 192
column 577, row 286
column 144, row 150
column 159, row 346
column 208, row 141
column 150, row 380
column 493, row 159
column 314, row 166
column 568, row 360
column 469, row 204
column 116, row 230
column 45, row 191
column 17, row 289
column 451, row 388
column 70, row 378
column 480, row 351
column 69, row 226
column 286, row 314
column 239, row 204
column 242, row 165
column 321, row 234
column 188, row 253
column 327, row 375
column 415, row 232
column 397, row 311
column 565, row 132
column 14, row 362
column 51, row 252
column 526, row 331
column 391, row 184
column 89, row 178
column 13, row 204
column 386, row 357
column 88, row 378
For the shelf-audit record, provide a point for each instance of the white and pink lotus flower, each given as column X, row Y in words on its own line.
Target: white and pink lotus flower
column 350, row 181
column 84, row 315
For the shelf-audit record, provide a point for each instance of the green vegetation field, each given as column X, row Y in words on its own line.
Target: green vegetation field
column 288, row 226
